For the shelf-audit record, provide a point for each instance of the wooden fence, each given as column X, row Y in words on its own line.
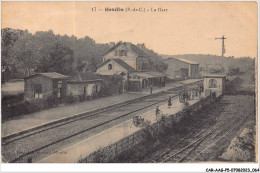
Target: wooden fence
column 116, row 148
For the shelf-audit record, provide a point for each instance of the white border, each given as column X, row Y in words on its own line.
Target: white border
column 191, row 167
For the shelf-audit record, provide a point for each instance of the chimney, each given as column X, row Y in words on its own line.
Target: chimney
column 128, row 45
column 112, row 44
column 141, row 46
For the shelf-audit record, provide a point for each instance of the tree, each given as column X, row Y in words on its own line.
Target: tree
column 92, row 65
column 9, row 37
column 60, row 59
column 22, row 53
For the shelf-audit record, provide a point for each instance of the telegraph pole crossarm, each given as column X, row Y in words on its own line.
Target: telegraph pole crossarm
column 223, row 46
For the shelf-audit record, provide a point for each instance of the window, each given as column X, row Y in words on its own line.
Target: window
column 85, row 91
column 38, row 91
column 59, row 92
column 116, row 53
column 120, row 52
column 212, row 83
column 109, row 66
column 124, row 53
column 144, row 66
column 59, row 89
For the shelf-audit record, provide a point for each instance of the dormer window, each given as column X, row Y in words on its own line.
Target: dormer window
column 109, row 66
column 122, row 53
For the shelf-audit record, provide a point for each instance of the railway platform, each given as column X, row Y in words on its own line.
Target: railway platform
column 37, row 119
column 74, row 153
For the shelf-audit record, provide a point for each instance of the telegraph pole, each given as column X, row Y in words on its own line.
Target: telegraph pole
column 223, row 46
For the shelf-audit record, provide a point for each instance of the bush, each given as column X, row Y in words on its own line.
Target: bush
column 113, row 85
column 51, row 102
column 72, row 99
column 82, row 98
column 185, row 105
column 35, row 106
column 12, row 99
column 100, row 156
column 149, row 133
column 14, row 110
column 22, row 108
column 25, row 107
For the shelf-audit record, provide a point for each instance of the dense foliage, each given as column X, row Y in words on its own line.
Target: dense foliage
column 45, row 51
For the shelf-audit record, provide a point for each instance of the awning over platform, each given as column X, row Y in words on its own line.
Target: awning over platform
column 148, row 74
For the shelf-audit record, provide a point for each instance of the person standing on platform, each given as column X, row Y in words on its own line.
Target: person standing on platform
column 169, row 102
column 151, row 89
column 157, row 112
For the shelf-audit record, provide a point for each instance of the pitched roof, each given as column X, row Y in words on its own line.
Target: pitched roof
column 124, row 64
column 148, row 74
column 130, row 46
column 82, row 77
column 113, row 48
column 136, row 50
column 120, row 62
column 51, row 75
column 184, row 60
column 188, row 61
column 214, row 75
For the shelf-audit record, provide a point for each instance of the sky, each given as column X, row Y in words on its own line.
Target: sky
column 185, row 28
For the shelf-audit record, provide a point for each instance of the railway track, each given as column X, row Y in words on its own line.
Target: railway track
column 184, row 150
column 129, row 108
column 180, row 155
column 11, row 138
column 192, row 159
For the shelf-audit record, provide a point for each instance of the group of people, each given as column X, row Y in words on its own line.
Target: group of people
column 191, row 94
column 183, row 96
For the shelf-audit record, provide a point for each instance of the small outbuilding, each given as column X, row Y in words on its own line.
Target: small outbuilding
column 84, row 85
column 214, row 83
column 44, row 85
column 181, row 68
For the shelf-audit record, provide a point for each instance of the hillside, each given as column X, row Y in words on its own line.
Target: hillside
column 244, row 63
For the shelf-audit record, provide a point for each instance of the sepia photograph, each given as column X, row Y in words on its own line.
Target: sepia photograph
column 129, row 82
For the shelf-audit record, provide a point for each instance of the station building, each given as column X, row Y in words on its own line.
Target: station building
column 133, row 64
column 82, row 84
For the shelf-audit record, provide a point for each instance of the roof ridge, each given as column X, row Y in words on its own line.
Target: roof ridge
column 112, row 48
column 182, row 60
column 53, row 75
